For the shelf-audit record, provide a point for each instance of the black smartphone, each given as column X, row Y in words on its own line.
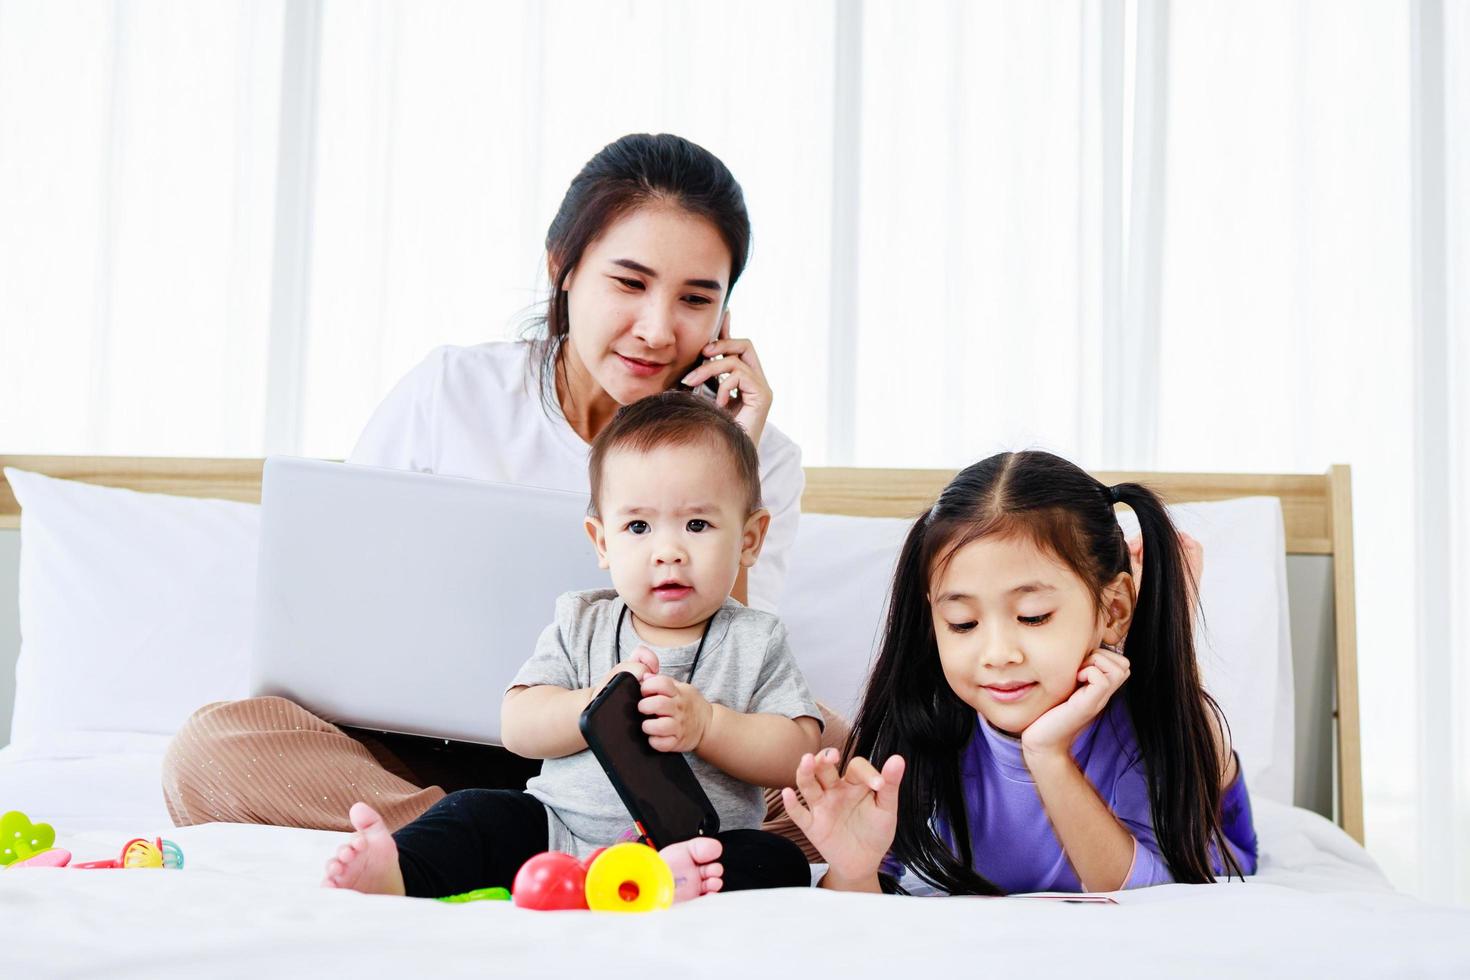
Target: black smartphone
column 658, row 788
column 712, row 385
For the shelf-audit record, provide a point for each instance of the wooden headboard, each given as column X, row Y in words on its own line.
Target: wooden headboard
column 1317, row 511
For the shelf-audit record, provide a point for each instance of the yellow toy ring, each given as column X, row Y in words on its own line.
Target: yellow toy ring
column 629, row 878
column 140, row 853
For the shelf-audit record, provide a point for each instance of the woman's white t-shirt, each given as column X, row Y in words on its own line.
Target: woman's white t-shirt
column 477, row 412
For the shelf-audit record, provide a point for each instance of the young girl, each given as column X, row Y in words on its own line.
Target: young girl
column 1000, row 688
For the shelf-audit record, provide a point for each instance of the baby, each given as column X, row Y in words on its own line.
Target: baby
column 675, row 515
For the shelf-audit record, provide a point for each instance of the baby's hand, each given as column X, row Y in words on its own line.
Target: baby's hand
column 680, row 713
column 1102, row 673
column 851, row 818
column 643, row 663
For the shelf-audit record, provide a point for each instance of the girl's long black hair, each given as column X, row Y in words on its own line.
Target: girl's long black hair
column 909, row 708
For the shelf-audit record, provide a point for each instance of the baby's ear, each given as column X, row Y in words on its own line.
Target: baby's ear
column 754, row 536
column 1119, row 601
column 599, row 539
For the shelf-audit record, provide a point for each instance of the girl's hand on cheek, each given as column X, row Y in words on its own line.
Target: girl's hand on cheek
column 1102, row 673
column 851, row 817
column 680, row 714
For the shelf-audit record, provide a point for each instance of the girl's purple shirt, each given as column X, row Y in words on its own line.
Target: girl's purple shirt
column 1012, row 839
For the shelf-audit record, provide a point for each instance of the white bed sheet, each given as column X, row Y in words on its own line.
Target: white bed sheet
column 248, row 904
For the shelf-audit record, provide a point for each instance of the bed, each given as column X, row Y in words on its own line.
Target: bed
column 247, row 902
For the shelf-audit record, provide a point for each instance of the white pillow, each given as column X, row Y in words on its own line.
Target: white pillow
column 135, row 608
column 835, row 599
column 841, row 569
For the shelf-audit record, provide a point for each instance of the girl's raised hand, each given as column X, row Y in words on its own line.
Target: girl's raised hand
column 1099, row 678
column 743, row 386
column 849, row 817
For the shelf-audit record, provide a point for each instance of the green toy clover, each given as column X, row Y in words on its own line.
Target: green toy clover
column 480, row 895
column 21, row 839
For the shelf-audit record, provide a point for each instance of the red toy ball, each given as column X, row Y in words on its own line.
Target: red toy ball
column 551, row 882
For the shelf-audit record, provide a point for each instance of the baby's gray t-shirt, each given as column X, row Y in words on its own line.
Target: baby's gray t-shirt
column 746, row 666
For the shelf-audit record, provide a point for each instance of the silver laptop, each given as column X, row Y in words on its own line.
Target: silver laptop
column 405, row 602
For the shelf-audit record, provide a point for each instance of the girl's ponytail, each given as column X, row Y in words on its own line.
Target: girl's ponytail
column 1174, row 719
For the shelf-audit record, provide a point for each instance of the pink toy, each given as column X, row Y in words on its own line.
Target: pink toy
column 54, row 858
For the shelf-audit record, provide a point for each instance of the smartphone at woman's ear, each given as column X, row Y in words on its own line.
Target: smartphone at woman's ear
column 712, row 385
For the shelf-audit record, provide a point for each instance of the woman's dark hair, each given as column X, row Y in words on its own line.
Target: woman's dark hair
column 628, row 173
column 909, row 708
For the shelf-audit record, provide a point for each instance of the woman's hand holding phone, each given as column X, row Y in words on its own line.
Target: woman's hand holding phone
column 743, row 388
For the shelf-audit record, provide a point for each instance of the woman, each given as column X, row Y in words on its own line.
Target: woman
column 649, row 240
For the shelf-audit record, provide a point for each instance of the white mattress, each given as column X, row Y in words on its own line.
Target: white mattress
column 248, row 904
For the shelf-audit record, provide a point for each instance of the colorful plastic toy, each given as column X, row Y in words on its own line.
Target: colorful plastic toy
column 140, row 853
column 629, row 878
column 623, row 878
column 479, row 895
column 21, row 840
column 29, row 845
column 54, row 858
column 550, row 882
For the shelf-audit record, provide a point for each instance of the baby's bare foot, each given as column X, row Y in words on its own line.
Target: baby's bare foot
column 368, row 862
column 696, row 870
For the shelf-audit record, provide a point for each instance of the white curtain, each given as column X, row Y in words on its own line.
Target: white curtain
column 137, row 173
column 1203, row 235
